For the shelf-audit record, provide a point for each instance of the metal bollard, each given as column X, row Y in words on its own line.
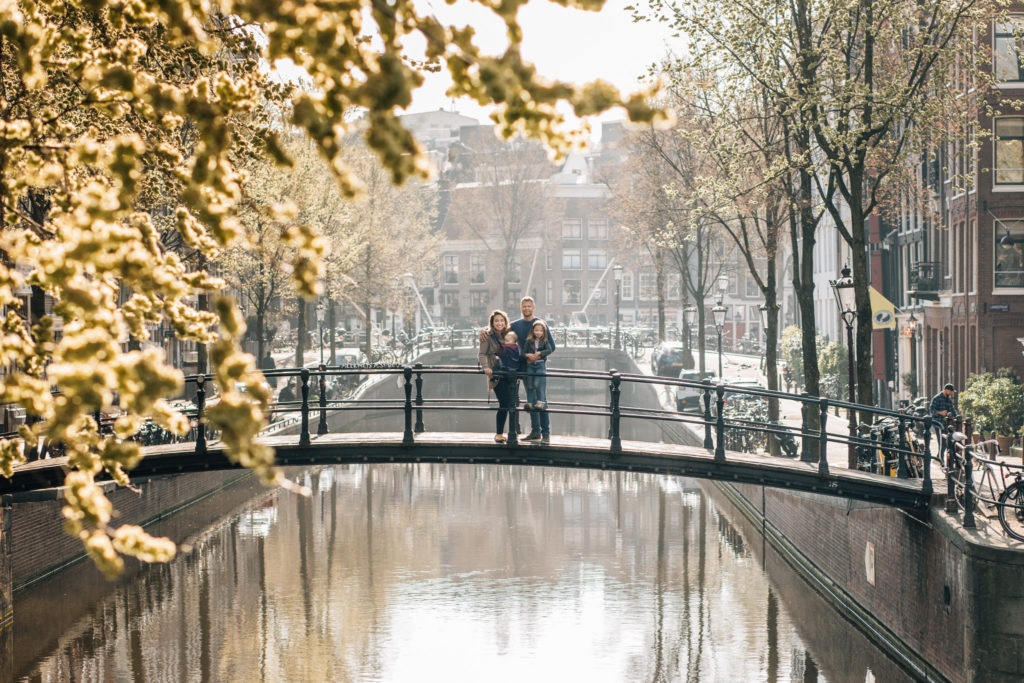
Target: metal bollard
column 304, row 432
column 950, row 448
column 902, row 472
column 708, row 444
column 407, row 434
column 969, row 487
column 614, row 410
column 419, row 398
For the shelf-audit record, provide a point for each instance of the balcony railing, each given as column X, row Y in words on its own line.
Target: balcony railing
column 924, row 280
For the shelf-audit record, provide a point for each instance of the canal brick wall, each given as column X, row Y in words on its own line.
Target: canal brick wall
column 38, row 544
column 944, row 600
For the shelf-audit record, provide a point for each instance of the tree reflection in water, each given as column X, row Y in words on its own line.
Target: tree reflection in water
column 461, row 572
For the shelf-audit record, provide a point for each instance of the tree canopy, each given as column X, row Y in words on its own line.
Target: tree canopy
column 127, row 131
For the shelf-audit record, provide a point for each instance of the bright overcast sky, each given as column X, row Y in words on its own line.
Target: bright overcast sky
column 564, row 44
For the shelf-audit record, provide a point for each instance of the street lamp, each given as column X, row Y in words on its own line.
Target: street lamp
column 913, row 332
column 846, row 300
column 718, row 313
column 617, row 273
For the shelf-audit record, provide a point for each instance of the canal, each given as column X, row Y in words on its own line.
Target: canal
column 452, row 573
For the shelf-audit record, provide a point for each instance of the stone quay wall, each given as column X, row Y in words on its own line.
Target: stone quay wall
column 37, row 545
column 946, row 602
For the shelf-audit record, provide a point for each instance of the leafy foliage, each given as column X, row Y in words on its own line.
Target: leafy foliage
column 994, row 402
column 127, row 134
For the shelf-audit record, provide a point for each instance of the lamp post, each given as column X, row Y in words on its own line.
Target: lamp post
column 617, row 273
column 722, row 281
column 320, row 311
column 913, row 330
column 718, row 312
column 846, row 300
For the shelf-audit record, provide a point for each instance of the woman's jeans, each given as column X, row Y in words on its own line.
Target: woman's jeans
column 505, row 393
column 537, row 390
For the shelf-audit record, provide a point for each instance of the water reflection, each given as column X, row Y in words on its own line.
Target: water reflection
column 463, row 573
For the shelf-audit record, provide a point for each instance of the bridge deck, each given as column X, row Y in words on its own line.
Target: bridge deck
column 563, row 451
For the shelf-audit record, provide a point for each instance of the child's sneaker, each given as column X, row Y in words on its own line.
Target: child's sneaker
column 539, row 405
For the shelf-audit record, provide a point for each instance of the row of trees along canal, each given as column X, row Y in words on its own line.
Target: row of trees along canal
column 785, row 113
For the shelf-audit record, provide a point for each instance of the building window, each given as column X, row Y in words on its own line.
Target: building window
column 1009, row 270
column 734, row 285
column 549, row 299
column 572, row 230
column 1009, row 151
column 1007, row 48
column 450, row 302
column 596, row 259
column 571, row 292
column 512, row 302
column 515, row 274
column 479, row 302
column 571, row 259
column 627, row 286
column 597, row 229
column 648, row 286
column 751, row 289
column 451, row 269
column 548, row 260
column 476, row 269
column 601, row 293
column 673, row 286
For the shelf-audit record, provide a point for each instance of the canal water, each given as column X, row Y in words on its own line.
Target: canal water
column 452, row 573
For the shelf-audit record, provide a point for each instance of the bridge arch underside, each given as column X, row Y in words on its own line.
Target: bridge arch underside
column 475, row 448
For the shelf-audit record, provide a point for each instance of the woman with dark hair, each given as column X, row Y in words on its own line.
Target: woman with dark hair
column 492, row 339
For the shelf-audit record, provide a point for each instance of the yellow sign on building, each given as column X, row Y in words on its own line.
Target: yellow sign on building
column 883, row 313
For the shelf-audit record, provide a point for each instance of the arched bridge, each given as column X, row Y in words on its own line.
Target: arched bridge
column 373, row 414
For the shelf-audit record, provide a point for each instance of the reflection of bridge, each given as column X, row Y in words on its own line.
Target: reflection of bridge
column 384, row 421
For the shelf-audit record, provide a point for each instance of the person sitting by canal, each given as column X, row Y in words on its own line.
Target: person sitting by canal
column 536, row 344
column 492, row 339
column 941, row 408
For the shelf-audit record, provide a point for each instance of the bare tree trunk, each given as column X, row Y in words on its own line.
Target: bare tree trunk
column 333, row 323
column 659, row 274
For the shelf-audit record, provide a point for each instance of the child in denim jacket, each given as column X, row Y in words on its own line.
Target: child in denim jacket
column 536, row 371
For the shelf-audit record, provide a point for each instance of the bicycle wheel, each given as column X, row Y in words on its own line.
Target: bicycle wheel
column 1011, row 510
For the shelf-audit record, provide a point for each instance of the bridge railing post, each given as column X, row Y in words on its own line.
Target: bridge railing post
column 419, row 398
column 304, row 431
column 969, row 486
column 615, row 412
column 823, row 440
column 200, row 406
column 706, row 389
column 805, row 429
column 902, row 472
column 407, row 434
column 321, row 428
column 926, row 485
column 950, row 453
column 720, row 424
column 588, row 337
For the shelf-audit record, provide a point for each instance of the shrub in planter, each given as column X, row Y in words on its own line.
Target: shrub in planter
column 994, row 403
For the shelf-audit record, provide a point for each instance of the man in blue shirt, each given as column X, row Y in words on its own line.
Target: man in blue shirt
column 540, row 428
column 941, row 407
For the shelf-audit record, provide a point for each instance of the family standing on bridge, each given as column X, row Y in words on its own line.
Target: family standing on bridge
column 510, row 350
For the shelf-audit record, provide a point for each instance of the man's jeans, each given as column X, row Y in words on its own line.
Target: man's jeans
column 537, row 390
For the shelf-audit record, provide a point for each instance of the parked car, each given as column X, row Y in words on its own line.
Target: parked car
column 667, row 359
column 688, row 399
